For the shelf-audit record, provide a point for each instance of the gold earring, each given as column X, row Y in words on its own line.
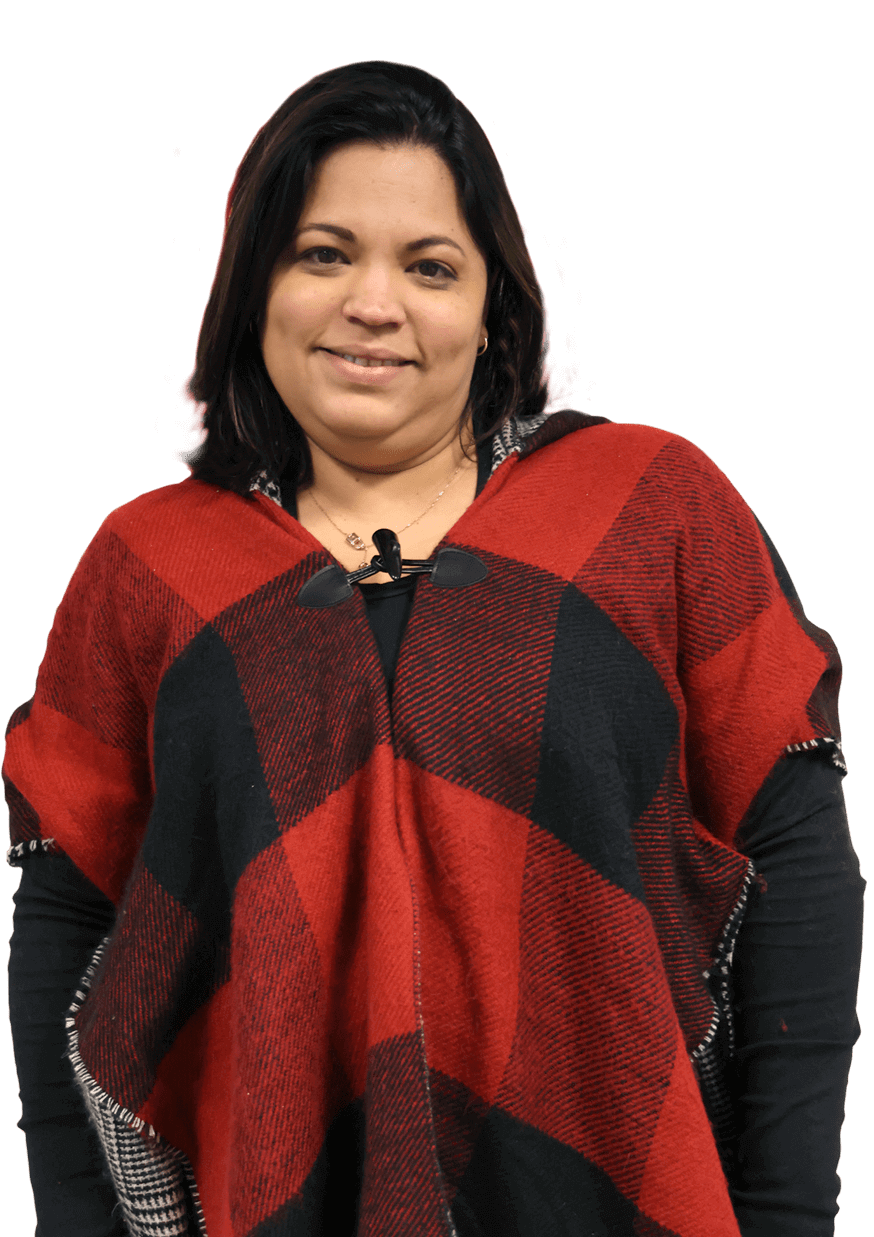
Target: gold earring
column 485, row 345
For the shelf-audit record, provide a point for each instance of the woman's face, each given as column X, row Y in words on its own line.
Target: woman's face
column 375, row 313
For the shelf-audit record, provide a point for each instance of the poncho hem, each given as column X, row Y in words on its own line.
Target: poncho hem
column 140, row 1158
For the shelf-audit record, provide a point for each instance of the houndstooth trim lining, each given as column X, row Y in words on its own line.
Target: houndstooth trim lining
column 42, row 845
column 707, row 1058
column 512, row 437
column 830, row 746
column 154, row 1181
column 265, row 484
column 505, row 443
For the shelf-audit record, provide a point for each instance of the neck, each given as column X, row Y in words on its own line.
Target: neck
column 394, row 486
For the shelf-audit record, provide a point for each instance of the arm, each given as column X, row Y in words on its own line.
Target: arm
column 796, row 970
column 60, row 918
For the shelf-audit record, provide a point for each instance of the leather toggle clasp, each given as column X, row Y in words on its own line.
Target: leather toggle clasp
column 449, row 568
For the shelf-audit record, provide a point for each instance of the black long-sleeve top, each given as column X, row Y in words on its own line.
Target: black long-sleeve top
column 795, row 973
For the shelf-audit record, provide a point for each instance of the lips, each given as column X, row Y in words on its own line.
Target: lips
column 368, row 362
column 357, row 370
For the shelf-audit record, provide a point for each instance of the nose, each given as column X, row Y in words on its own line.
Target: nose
column 374, row 298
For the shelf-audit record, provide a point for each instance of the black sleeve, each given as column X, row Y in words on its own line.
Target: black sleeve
column 59, row 920
column 796, row 970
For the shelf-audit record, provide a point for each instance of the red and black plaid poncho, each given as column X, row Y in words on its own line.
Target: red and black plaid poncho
column 454, row 965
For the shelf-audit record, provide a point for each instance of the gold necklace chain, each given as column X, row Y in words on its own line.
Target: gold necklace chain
column 357, row 543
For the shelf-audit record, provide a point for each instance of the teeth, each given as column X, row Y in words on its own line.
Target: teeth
column 367, row 361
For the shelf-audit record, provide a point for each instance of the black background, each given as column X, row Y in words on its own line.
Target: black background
column 700, row 291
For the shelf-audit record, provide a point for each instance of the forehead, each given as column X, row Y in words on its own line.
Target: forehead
column 396, row 186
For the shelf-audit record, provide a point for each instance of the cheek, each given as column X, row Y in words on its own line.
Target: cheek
column 301, row 311
column 452, row 333
column 294, row 314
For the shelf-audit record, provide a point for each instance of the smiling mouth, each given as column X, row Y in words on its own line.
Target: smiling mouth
column 366, row 362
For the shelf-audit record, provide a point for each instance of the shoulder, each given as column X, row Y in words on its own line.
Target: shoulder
column 182, row 496
column 641, row 485
column 177, row 504
column 190, row 516
column 622, row 455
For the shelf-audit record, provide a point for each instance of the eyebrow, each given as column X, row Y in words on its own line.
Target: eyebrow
column 414, row 246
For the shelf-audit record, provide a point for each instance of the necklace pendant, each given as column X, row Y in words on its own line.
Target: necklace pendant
column 355, row 541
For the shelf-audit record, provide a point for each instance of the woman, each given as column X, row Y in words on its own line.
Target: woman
column 457, row 788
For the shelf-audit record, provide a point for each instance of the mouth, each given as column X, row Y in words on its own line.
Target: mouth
column 368, row 362
column 352, row 372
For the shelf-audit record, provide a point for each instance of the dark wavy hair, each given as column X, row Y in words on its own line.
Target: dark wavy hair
column 248, row 427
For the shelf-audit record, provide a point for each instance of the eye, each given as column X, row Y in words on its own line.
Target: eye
column 310, row 252
column 441, row 272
